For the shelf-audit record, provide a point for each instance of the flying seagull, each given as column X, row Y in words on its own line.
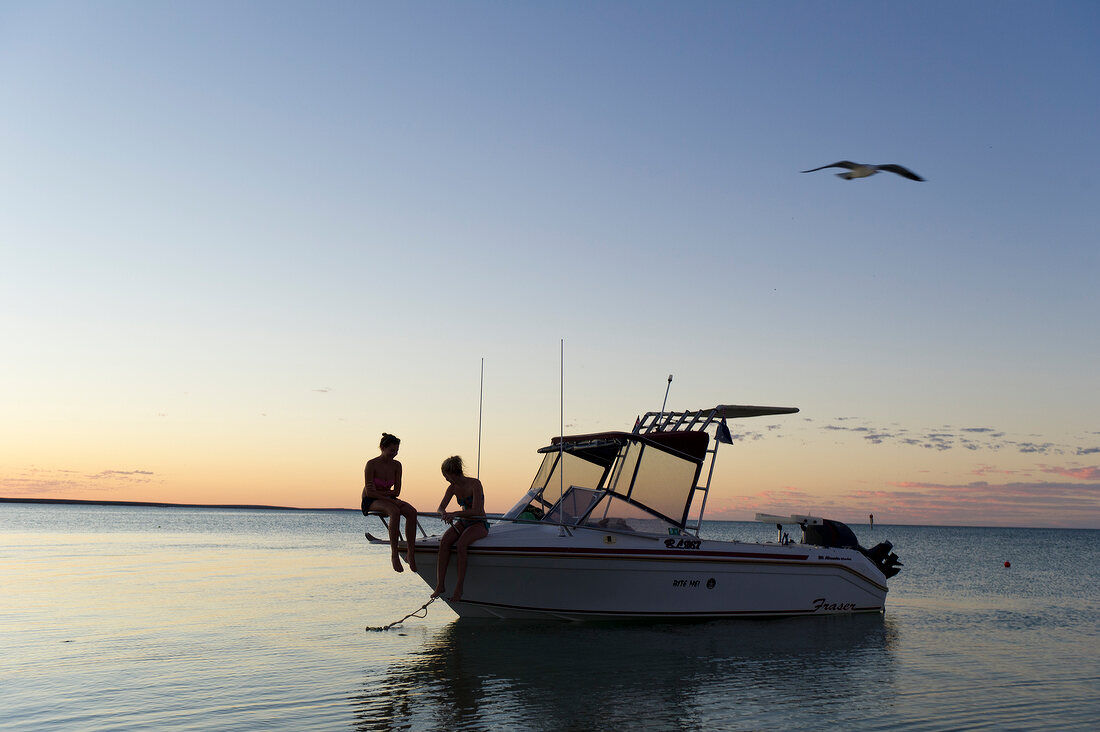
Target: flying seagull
column 863, row 170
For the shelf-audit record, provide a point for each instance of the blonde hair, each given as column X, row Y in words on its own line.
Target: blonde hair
column 453, row 466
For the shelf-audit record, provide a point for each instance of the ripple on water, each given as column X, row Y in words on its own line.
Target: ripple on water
column 230, row 620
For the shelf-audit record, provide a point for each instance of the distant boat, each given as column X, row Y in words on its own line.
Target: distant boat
column 606, row 531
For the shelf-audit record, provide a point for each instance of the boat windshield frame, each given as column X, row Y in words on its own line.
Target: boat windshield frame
column 601, row 459
column 625, row 466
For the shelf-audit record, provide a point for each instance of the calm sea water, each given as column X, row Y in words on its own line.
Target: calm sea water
column 214, row 619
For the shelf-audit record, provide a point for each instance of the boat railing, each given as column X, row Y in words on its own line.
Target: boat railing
column 384, row 518
column 498, row 518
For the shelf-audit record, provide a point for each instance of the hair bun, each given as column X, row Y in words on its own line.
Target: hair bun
column 453, row 466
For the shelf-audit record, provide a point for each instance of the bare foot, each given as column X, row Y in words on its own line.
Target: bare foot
column 438, row 591
column 457, row 596
column 397, row 564
column 411, row 559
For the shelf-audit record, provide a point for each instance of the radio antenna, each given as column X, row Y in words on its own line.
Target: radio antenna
column 561, row 425
column 657, row 424
column 480, row 404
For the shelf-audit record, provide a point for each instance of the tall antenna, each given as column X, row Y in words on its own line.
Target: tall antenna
column 561, row 424
column 657, row 424
column 480, row 403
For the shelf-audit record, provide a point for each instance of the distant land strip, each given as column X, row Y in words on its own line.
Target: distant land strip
column 153, row 504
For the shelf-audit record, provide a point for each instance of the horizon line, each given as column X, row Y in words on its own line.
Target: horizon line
column 263, row 507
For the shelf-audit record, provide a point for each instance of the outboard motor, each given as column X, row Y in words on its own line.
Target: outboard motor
column 835, row 534
column 829, row 534
column 885, row 559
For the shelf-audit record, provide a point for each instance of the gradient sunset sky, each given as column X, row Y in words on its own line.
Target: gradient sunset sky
column 238, row 240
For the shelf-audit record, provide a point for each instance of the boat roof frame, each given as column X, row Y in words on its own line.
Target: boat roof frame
column 700, row 419
column 649, row 426
column 577, row 443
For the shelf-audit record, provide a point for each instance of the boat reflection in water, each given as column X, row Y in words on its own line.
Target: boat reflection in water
column 482, row 674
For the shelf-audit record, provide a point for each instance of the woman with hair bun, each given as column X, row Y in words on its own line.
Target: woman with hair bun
column 382, row 486
column 468, row 524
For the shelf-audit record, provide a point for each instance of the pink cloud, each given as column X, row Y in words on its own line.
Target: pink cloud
column 993, row 470
column 1051, row 504
column 1092, row 473
column 996, row 504
column 35, row 482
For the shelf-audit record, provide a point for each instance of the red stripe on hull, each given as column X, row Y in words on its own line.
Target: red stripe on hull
column 660, row 555
column 665, row 614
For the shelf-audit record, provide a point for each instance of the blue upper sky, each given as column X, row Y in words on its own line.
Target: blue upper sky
column 254, row 204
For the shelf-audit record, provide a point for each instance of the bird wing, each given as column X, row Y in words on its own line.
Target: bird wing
column 839, row 164
column 904, row 172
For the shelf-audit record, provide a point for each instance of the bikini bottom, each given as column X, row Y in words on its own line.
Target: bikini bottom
column 462, row 524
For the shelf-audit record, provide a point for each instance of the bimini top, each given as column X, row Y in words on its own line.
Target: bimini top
column 603, row 446
column 733, row 411
column 702, row 419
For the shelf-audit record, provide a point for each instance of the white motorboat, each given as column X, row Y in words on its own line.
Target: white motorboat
column 610, row 528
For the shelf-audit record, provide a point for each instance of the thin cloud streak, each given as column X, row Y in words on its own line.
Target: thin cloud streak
column 64, row 483
column 1051, row 504
column 1091, row 473
column 948, row 438
column 988, row 504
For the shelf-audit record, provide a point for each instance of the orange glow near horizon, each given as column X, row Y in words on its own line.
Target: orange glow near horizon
column 896, row 484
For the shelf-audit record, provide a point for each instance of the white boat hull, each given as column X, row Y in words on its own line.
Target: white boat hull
column 530, row 571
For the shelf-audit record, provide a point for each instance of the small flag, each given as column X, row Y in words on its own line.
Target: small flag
column 723, row 433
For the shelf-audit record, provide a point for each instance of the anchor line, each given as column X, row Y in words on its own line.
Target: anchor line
column 423, row 608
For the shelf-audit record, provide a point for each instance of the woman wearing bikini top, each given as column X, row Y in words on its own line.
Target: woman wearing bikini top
column 468, row 524
column 382, row 487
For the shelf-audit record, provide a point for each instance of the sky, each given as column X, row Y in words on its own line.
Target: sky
column 240, row 240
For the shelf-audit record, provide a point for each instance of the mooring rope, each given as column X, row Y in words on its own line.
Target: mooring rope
column 413, row 614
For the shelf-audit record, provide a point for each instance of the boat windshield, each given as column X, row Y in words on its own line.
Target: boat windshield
column 573, row 506
column 661, row 482
column 630, row 483
column 558, row 470
column 613, row 512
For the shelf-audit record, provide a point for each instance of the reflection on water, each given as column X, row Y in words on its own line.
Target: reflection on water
column 137, row 619
column 584, row 676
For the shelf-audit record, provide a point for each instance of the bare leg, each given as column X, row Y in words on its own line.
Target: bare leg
column 410, row 535
column 469, row 536
column 444, row 559
column 393, row 516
